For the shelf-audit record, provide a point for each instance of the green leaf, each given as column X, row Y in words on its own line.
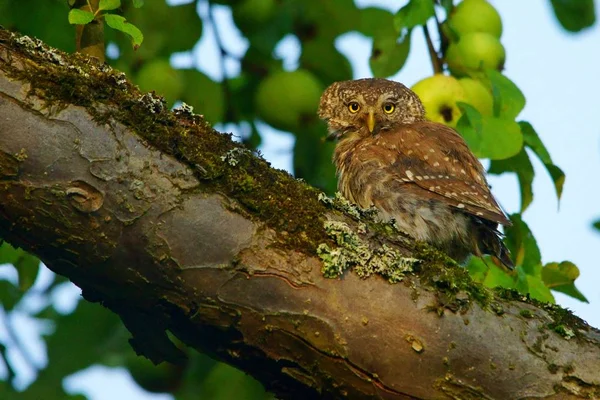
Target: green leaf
column 138, row 3
column 376, row 22
column 27, row 265
column 574, row 15
column 312, row 159
column 561, row 277
column 80, row 17
column 538, row 290
column 498, row 277
column 447, row 5
column 224, row 382
column 477, row 269
column 509, row 101
column 10, row 295
column 533, row 141
column 572, row 291
column 486, row 272
column 119, row 23
column 489, row 137
column 555, row 274
column 521, row 166
column 89, row 335
column 388, row 55
column 596, row 225
column 166, row 29
column 109, row 4
column 523, row 246
column 415, row 13
column 319, row 55
column 42, row 19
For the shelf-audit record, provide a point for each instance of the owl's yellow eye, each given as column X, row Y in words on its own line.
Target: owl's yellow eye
column 389, row 108
column 354, row 107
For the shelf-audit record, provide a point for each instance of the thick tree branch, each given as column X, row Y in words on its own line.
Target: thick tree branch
column 174, row 227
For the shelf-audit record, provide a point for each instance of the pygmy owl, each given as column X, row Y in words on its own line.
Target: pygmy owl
column 417, row 172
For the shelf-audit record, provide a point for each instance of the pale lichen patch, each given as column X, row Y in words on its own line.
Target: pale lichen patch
column 233, row 156
column 356, row 253
column 340, row 203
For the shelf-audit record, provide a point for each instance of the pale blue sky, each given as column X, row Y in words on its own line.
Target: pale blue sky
column 557, row 71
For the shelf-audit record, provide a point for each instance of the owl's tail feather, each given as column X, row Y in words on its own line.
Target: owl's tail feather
column 488, row 240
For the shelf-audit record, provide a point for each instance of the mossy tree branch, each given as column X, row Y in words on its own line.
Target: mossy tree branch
column 176, row 228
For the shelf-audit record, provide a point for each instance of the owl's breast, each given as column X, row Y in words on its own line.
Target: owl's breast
column 359, row 177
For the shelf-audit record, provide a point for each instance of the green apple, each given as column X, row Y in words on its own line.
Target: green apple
column 475, row 16
column 250, row 15
column 160, row 76
column 475, row 51
column 284, row 99
column 439, row 94
column 478, row 95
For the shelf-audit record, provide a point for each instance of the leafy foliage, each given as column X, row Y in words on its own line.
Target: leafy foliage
column 574, row 15
column 238, row 98
column 78, row 16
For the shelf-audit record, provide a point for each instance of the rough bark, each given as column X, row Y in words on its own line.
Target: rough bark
column 175, row 228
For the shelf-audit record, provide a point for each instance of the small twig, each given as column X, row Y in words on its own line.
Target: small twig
column 436, row 63
column 14, row 338
column 444, row 42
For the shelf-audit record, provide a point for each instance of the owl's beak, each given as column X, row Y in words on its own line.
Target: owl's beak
column 371, row 121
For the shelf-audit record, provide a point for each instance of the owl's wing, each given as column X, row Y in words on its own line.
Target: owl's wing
column 434, row 158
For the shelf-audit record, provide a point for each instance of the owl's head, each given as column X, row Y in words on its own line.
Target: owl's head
column 368, row 106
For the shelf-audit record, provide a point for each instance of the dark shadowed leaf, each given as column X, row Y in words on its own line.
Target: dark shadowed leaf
column 533, row 141
column 574, row 15
column 447, row 5
column 49, row 22
column 521, row 166
column 81, row 339
column 224, row 382
column 204, row 94
column 312, row 159
column 318, row 56
column 10, row 295
column 523, row 246
column 27, row 265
